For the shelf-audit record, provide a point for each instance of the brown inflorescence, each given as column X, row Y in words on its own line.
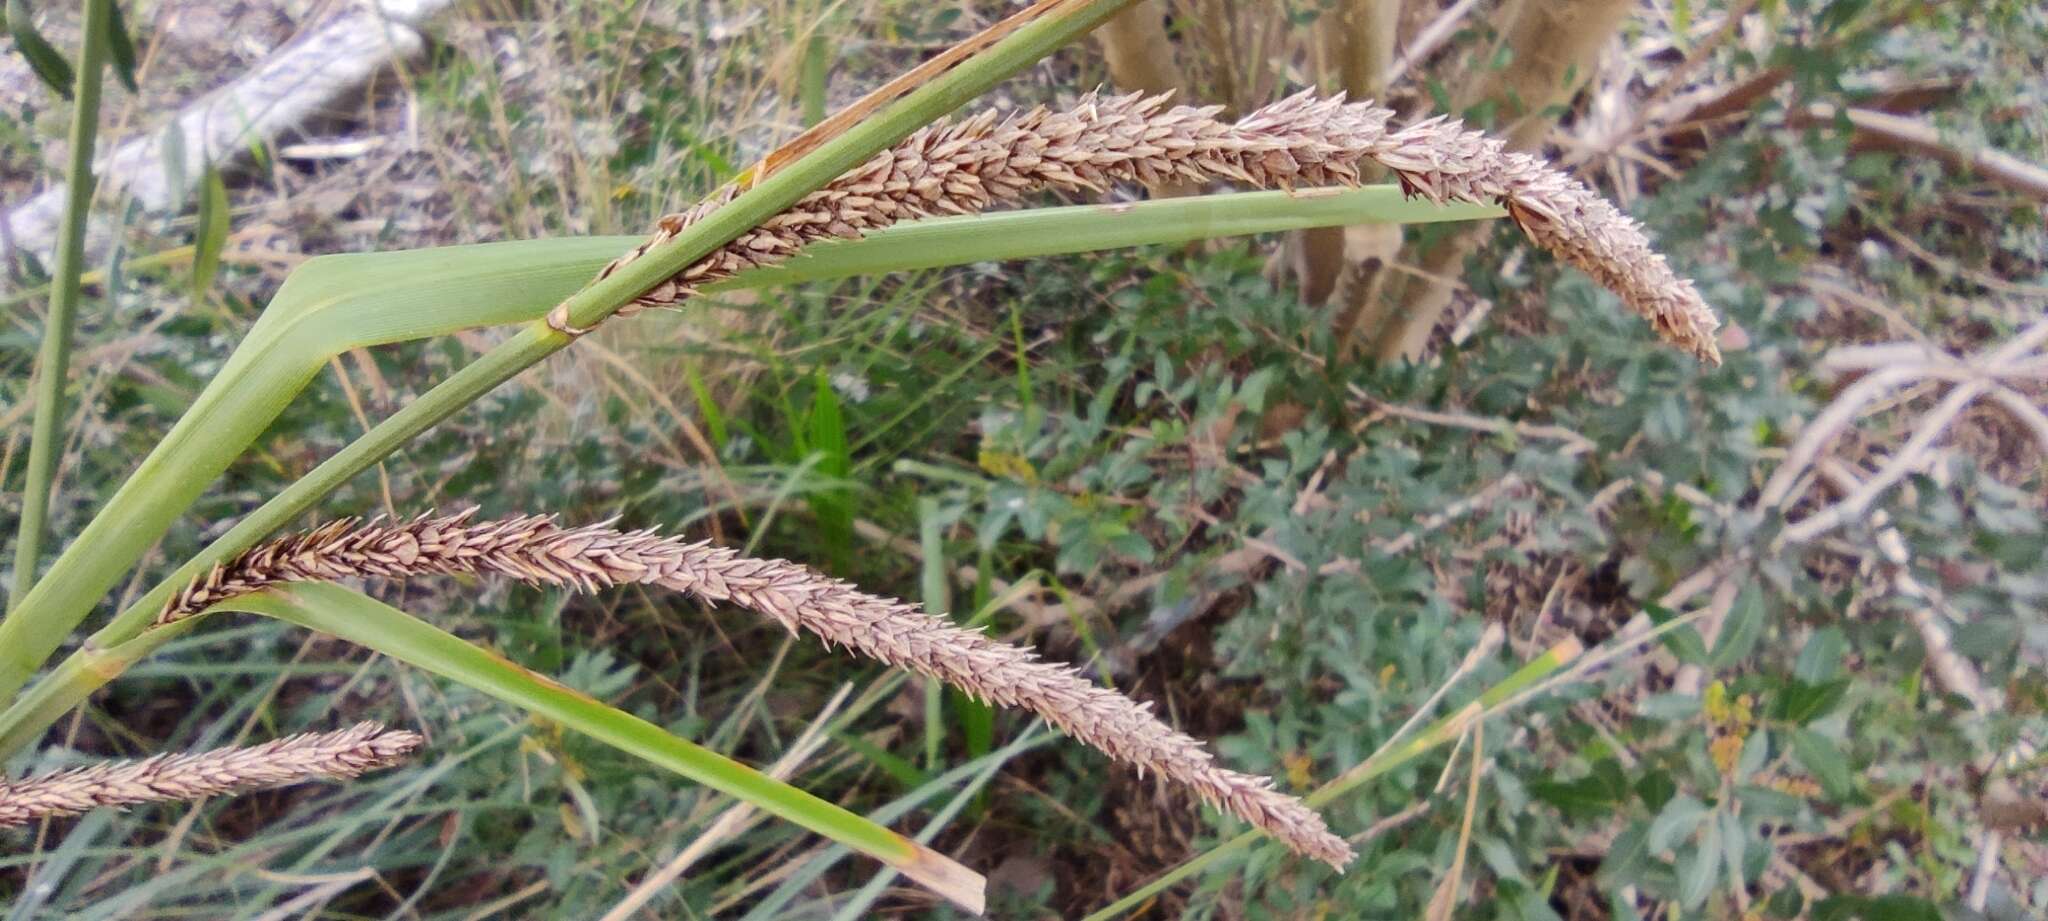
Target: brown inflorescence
column 536, row 550
column 966, row 167
column 345, row 753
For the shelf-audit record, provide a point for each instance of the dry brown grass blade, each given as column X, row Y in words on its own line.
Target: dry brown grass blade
column 192, row 776
column 537, row 550
column 969, row 166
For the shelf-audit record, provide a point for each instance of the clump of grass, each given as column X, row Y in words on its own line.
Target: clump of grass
column 350, row 752
column 967, row 166
column 900, row 634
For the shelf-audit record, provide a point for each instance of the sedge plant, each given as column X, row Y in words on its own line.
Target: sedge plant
column 897, row 187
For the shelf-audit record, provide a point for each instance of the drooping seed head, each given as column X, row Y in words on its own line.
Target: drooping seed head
column 535, row 549
column 969, row 166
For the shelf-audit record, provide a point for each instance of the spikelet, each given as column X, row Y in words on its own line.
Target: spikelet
column 968, row 166
column 536, row 550
column 345, row 753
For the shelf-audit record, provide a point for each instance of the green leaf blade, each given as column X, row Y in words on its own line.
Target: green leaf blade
column 360, row 619
column 1742, row 630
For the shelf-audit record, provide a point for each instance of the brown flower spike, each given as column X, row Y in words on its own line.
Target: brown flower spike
column 966, row 167
column 294, row 759
column 536, row 550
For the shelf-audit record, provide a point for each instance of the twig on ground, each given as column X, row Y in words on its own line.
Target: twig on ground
column 1910, row 456
column 307, row 904
column 1901, row 133
column 1953, row 671
column 1674, row 79
column 1477, row 502
column 1988, row 845
column 1847, row 405
column 2025, row 412
column 1574, row 443
column 1976, row 377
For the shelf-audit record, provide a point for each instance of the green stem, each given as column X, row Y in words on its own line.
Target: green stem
column 52, row 363
column 31, row 634
column 1378, row 765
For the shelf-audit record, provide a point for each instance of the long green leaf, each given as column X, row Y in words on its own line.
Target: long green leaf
column 365, row 621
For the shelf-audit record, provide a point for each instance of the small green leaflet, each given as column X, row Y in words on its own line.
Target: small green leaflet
column 1743, row 628
column 1684, row 642
column 1825, row 761
column 120, row 46
column 1820, row 660
column 48, row 64
column 1699, row 871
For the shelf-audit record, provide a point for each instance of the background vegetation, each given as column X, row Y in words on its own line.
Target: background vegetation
column 1250, row 508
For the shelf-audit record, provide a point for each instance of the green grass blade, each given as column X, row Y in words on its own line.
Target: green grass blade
column 923, row 244
column 365, row 621
column 832, row 504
